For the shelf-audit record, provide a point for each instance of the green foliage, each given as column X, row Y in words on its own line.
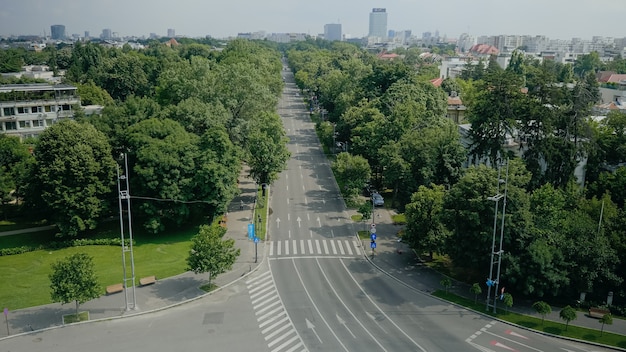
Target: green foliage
column 365, row 209
column 507, row 299
column 425, row 231
column 210, row 253
column 90, row 94
column 446, row 283
column 543, row 309
column 475, row 289
column 351, row 171
column 567, row 314
column 266, row 147
column 74, row 279
column 73, row 175
column 606, row 319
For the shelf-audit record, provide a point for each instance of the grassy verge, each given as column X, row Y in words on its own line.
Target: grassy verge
column 551, row 327
column 25, row 276
column 209, row 288
column 73, row 318
column 260, row 213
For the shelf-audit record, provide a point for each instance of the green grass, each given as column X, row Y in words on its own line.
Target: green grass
column 209, row 287
column 551, row 327
column 7, row 225
column 72, row 318
column 398, row 219
column 261, row 210
column 25, row 276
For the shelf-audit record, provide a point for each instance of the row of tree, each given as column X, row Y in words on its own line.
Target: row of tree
column 187, row 117
column 394, row 122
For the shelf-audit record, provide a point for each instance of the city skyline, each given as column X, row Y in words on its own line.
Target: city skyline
column 557, row 19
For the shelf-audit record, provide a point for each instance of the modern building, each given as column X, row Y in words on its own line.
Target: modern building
column 57, row 31
column 171, row 32
column 106, row 34
column 27, row 109
column 332, row 32
column 378, row 24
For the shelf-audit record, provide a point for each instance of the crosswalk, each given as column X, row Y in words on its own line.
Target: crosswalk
column 314, row 247
column 276, row 326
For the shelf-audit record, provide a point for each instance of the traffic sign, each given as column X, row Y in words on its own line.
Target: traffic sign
column 373, row 237
column 373, row 230
column 372, row 225
column 372, row 245
column 251, row 231
column 256, row 239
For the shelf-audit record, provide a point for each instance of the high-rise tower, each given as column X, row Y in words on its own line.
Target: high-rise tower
column 332, row 32
column 378, row 23
column 57, row 31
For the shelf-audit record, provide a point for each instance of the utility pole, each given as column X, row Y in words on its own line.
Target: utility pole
column 496, row 198
column 123, row 188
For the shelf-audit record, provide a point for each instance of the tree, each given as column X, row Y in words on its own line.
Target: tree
column 567, row 314
column 446, row 283
column 507, row 299
column 351, row 171
column 606, row 319
column 365, row 209
column 266, row 148
column 475, row 289
column 542, row 308
column 73, row 174
column 210, row 253
column 74, row 279
column 424, row 231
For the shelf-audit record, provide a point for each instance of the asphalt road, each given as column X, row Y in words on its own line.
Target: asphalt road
column 333, row 298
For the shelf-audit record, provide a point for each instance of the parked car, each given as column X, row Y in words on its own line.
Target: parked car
column 378, row 200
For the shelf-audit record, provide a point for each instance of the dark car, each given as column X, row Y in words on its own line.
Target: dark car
column 378, row 200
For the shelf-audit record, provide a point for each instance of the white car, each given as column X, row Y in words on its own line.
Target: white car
column 377, row 199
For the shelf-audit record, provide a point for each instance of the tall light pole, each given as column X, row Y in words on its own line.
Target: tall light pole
column 496, row 199
column 124, row 194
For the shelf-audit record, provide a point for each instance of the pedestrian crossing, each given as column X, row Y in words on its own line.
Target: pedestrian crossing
column 276, row 326
column 314, row 247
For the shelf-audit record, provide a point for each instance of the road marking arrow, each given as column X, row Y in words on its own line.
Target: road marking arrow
column 498, row 344
column 310, row 325
column 343, row 322
column 278, row 223
column 374, row 320
column 513, row 333
column 298, row 220
column 319, row 222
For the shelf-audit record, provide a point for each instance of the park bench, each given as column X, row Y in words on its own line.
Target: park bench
column 114, row 289
column 598, row 312
column 148, row 280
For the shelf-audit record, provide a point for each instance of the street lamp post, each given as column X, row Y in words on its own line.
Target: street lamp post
column 496, row 199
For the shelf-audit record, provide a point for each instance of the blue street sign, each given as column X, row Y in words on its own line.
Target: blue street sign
column 372, row 245
column 490, row 283
column 373, row 237
column 250, row 231
column 256, row 239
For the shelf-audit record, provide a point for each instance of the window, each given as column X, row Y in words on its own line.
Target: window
column 49, row 122
column 38, row 123
column 9, row 111
column 25, row 124
column 48, row 108
column 22, row 110
column 10, row 125
column 37, row 109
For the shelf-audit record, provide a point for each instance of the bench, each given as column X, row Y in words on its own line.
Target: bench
column 148, row 280
column 598, row 312
column 114, row 288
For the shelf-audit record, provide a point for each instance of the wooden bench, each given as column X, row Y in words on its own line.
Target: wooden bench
column 114, row 288
column 598, row 312
column 148, row 280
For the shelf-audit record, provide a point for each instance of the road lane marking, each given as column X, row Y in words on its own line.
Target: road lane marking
column 341, row 248
column 306, row 291
column 357, row 250
column 302, row 247
column 310, row 246
column 278, row 243
column 295, row 247
column 286, row 247
column 379, row 309
column 325, row 245
column 332, row 245
column 317, row 246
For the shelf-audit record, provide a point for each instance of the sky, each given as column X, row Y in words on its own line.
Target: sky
column 557, row 19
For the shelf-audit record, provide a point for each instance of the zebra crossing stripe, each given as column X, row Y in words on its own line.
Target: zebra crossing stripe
column 317, row 246
column 273, row 326
column 273, row 311
column 348, row 248
column 287, row 247
column 271, row 251
column 269, row 321
column 260, row 277
column 285, row 344
column 295, row 248
column 278, row 247
column 276, row 332
column 341, row 248
column 302, row 247
column 310, row 246
column 260, row 311
column 298, row 345
column 280, row 338
column 357, row 250
column 332, row 245
column 325, row 246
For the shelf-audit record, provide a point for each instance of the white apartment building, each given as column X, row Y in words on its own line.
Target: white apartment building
column 27, row 109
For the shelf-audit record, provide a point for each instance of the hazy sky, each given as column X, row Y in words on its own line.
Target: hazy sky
column 559, row 19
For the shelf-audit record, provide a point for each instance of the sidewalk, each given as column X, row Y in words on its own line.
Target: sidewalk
column 164, row 293
column 396, row 259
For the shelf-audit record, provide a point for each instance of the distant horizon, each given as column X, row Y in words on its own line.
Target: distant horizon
column 555, row 19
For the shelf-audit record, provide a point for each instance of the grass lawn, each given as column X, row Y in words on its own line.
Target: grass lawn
column 551, row 327
column 25, row 281
column 72, row 318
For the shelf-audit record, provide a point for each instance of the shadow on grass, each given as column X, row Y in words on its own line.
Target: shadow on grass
column 553, row 330
column 591, row 337
column 529, row 324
